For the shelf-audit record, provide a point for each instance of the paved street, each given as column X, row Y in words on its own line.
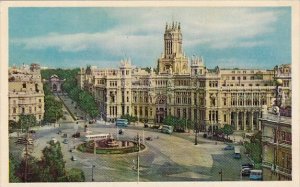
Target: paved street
column 166, row 158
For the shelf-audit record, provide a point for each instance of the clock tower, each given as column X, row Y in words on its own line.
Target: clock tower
column 173, row 60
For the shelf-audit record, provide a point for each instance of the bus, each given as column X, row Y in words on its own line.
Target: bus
column 255, row 175
column 121, row 122
column 237, row 152
column 90, row 137
column 167, row 129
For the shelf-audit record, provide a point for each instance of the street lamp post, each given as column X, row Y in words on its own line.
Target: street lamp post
column 93, row 172
column 221, row 174
column 138, row 158
column 196, row 133
column 196, row 121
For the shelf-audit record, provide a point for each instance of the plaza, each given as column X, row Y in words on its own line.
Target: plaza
column 166, row 158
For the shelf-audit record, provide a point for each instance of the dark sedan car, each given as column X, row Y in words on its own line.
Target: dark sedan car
column 229, row 147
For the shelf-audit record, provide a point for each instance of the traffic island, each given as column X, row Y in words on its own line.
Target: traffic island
column 110, row 146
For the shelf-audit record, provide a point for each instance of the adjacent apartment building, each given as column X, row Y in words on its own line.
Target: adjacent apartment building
column 184, row 87
column 26, row 95
column 276, row 145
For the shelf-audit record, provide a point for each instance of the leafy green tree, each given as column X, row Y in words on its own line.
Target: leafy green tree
column 169, row 120
column 130, row 118
column 83, row 98
column 53, row 109
column 13, row 125
column 27, row 121
column 75, row 175
column 52, row 163
column 227, row 130
column 33, row 170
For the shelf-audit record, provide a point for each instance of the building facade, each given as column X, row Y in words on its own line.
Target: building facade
column 276, row 145
column 184, row 87
column 26, row 94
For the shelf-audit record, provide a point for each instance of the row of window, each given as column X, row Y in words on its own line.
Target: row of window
column 182, row 82
column 26, row 101
column 142, row 112
column 23, row 109
column 113, row 83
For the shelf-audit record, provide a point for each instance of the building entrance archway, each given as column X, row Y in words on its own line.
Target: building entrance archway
column 161, row 108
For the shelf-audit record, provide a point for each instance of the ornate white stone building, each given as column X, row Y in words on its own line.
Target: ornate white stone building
column 26, row 94
column 185, row 88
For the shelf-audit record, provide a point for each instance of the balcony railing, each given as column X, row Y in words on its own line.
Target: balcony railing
column 284, row 171
column 268, row 139
column 267, row 164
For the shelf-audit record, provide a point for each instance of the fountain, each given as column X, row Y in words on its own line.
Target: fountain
column 110, row 146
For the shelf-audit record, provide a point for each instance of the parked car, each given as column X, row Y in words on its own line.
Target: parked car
column 245, row 171
column 247, row 165
column 32, row 131
column 149, row 138
column 71, row 150
column 229, row 147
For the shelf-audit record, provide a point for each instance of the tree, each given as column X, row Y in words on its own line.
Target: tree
column 53, row 109
column 227, row 130
column 27, row 121
column 52, row 163
column 75, row 175
column 32, row 171
column 130, row 118
column 13, row 125
column 169, row 120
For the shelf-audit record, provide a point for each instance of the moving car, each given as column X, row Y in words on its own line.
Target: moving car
column 229, row 147
column 73, row 158
column 121, row 122
column 53, row 139
column 167, row 129
column 76, row 135
column 65, row 141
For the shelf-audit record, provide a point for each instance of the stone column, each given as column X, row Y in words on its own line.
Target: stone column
column 237, row 121
column 251, row 120
column 244, row 120
column 259, row 126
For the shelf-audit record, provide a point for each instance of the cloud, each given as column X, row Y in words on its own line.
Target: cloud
column 239, row 63
column 139, row 33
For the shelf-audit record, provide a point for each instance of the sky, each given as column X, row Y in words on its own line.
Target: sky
column 75, row 37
